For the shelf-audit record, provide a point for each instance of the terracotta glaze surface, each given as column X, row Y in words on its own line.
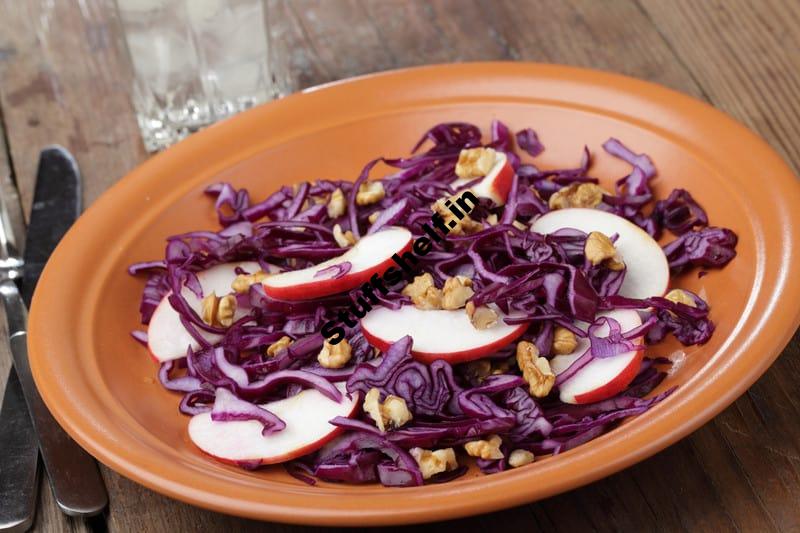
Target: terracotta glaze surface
column 102, row 386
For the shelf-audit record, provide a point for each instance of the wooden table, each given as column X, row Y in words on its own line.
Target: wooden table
column 64, row 79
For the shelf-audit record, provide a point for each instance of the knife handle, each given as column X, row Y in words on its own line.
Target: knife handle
column 19, row 461
column 75, row 479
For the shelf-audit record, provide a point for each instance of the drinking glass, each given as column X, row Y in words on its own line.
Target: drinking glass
column 196, row 62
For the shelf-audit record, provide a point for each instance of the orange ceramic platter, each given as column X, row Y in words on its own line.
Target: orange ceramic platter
column 102, row 386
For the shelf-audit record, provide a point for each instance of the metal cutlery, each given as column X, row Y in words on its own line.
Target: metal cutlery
column 74, row 476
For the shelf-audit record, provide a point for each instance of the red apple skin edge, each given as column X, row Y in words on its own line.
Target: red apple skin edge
column 326, row 287
column 616, row 385
column 452, row 357
column 502, row 183
column 312, row 447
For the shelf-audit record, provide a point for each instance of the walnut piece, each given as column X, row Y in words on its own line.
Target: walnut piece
column 577, row 195
column 370, row 192
column 535, row 370
column 492, row 219
column 478, row 369
column 679, row 296
column 226, row 309
column 482, row 317
column 485, row 449
column 335, row 355
column 564, row 341
column 599, row 249
column 321, row 199
column 216, row 311
column 501, row 367
column 343, row 238
column 432, row 462
column 391, row 413
column 337, row 205
column 475, row 162
column 281, row 344
column 459, row 226
column 242, row 282
column 457, row 290
column 519, row 458
column 208, row 308
column 423, row 292
column 373, row 217
column 519, row 225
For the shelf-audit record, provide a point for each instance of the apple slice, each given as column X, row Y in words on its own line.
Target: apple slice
column 437, row 333
column 600, row 378
column 648, row 270
column 167, row 339
column 370, row 255
column 307, row 415
column 496, row 184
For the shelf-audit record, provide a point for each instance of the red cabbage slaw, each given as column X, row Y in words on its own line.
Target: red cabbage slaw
column 543, row 280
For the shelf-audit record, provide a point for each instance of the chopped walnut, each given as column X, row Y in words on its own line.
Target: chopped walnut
column 343, row 238
column 370, row 192
column 208, row 308
column 577, row 195
column 485, row 449
column 535, row 370
column 500, row 367
column 226, row 309
column 432, row 462
column 599, row 249
column 242, row 282
column 321, row 199
column 564, row 341
column 337, row 205
column 482, row 317
column 679, row 296
column 519, row 225
column 281, row 344
column 475, row 162
column 392, row 413
column 457, row 226
column 519, row 458
column 492, row 219
column 216, row 311
column 373, row 217
column 478, row 369
column 423, row 292
column 457, row 290
column 335, row 355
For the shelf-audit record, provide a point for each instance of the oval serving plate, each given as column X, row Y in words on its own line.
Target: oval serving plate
column 102, row 386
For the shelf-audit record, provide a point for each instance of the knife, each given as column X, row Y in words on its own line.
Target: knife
column 74, row 476
column 19, row 461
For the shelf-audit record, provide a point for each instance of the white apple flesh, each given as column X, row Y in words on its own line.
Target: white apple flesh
column 437, row 333
column 307, row 415
column 372, row 254
column 496, row 184
column 647, row 271
column 600, row 378
column 167, row 339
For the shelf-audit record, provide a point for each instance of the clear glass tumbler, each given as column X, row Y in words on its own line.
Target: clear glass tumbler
column 196, row 62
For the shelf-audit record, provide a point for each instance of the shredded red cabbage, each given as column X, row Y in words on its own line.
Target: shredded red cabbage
column 544, row 281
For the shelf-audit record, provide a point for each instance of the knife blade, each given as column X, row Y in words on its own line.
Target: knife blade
column 74, row 476
column 19, row 463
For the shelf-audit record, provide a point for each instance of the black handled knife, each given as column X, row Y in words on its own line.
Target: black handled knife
column 74, row 476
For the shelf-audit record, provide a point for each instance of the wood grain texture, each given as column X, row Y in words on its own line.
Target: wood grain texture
column 739, row 472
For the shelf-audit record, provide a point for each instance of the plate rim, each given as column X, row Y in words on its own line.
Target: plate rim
column 56, row 400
